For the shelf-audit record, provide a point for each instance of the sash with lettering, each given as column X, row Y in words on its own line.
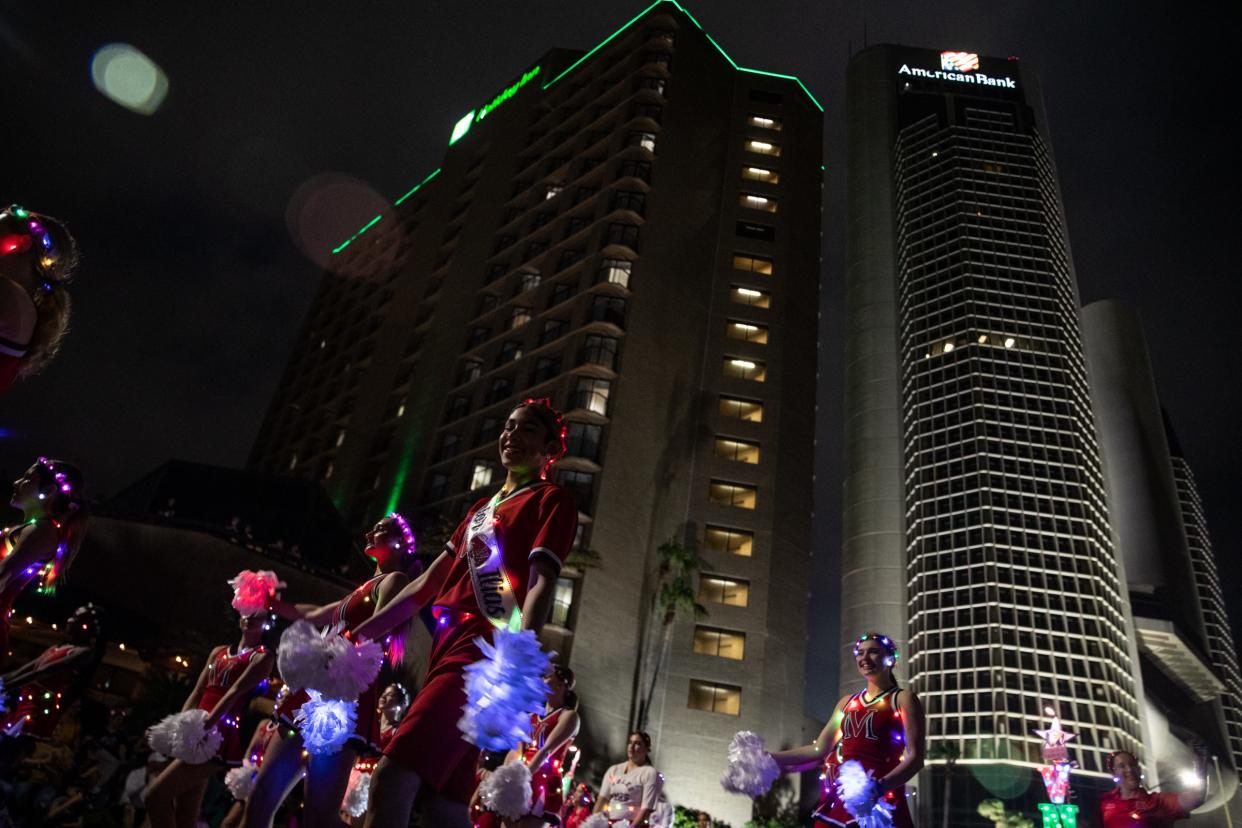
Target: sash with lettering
column 492, row 588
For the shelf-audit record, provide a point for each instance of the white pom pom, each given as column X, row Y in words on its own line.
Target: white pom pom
column 751, row 769
column 503, row 689
column 325, row 724
column 861, row 796
column 601, row 821
column 327, row 662
column 358, row 794
column 506, row 790
column 253, row 591
column 182, row 736
column 240, row 781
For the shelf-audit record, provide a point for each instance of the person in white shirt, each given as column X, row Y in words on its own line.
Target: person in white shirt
column 631, row 789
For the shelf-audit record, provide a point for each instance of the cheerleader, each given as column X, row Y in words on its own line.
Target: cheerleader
column 391, row 545
column 251, row 762
column 40, row 690
column 502, row 561
column 42, row 547
column 580, row 806
column 393, row 703
column 37, row 258
column 1130, row 805
column 229, row 679
column 881, row 727
column 551, row 736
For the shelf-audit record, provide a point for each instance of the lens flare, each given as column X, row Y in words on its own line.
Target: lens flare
column 129, row 78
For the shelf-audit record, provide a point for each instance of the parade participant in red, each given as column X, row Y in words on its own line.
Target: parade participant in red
column 579, row 807
column 37, row 258
column 40, row 549
column 229, row 679
column 41, row 689
column 253, row 760
column 1130, row 805
column 881, row 727
column 502, row 559
column 391, row 545
column 551, row 736
column 393, row 703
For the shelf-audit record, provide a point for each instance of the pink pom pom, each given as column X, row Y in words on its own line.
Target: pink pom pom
column 253, row 591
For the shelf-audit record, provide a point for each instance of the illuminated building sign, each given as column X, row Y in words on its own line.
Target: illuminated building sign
column 959, row 67
column 508, row 93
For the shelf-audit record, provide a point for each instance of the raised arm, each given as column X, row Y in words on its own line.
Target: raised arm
column 35, row 671
column 259, row 668
column 566, row 728
column 402, row 606
column 317, row 614
column 911, row 710
column 806, row 757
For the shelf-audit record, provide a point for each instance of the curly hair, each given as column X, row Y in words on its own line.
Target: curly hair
column 51, row 300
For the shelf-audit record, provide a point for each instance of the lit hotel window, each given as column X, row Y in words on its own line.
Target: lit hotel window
column 742, row 451
column 327, row 473
column 752, row 264
column 764, row 148
column 757, row 202
column 750, row 297
column 761, row 174
column 592, row 393
column 481, row 476
column 746, row 369
column 747, row 332
column 731, row 494
column 731, row 541
column 615, row 272
column 750, row 410
column 530, row 280
column 764, row 122
column 562, row 602
column 520, row 317
column 715, row 698
column 340, row 436
column 293, row 461
column 552, row 192
column 722, row 643
column 715, row 589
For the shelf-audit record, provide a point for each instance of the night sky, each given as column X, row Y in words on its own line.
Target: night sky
column 283, row 115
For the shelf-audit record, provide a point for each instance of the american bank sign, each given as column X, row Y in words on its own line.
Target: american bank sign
column 959, row 67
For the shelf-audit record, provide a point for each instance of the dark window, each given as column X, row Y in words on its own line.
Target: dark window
column 582, row 440
column 584, row 167
column 581, row 194
column 470, row 371
column 556, row 163
column 659, row 58
column 636, row 169
column 581, row 485
column 489, row 430
column 545, row 369
column 656, row 84
column 608, row 309
column 503, row 243
column 629, row 200
column 561, row 292
column 552, row 329
column 542, row 218
column 534, row 249
column 599, row 350
column 501, row 387
column 458, row 407
column 511, row 214
column 437, row 485
column 764, row 96
column 625, row 234
column 496, row 271
column 478, row 335
column 449, row 445
column 576, row 225
column 643, row 110
column 509, row 351
column 752, row 230
column 569, row 258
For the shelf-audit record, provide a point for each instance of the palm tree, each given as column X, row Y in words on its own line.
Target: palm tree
column 950, row 752
column 677, row 565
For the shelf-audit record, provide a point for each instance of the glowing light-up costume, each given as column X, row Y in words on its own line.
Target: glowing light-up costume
column 18, row 583
column 1145, row 810
column 547, row 792
column 489, row 573
column 224, row 668
column 39, row 704
column 352, row 611
column 872, row 733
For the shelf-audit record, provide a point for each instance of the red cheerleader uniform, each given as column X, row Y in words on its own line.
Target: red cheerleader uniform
column 224, row 668
column 547, row 795
column 872, row 733
column 7, row 545
column 39, row 703
column 352, row 611
column 535, row 521
column 1145, row 810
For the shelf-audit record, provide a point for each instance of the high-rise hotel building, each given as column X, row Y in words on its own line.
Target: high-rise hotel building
column 976, row 529
column 633, row 232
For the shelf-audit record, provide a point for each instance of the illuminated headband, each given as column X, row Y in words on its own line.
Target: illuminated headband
column 407, row 534
column 558, row 424
column 53, row 569
column 49, row 255
column 405, row 694
column 884, row 641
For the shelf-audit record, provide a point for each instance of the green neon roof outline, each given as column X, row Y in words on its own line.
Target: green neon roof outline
column 710, row 39
column 396, row 203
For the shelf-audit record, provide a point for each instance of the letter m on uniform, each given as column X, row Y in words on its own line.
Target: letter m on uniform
column 856, row 724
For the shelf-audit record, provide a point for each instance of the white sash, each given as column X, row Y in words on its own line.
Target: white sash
column 492, row 588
